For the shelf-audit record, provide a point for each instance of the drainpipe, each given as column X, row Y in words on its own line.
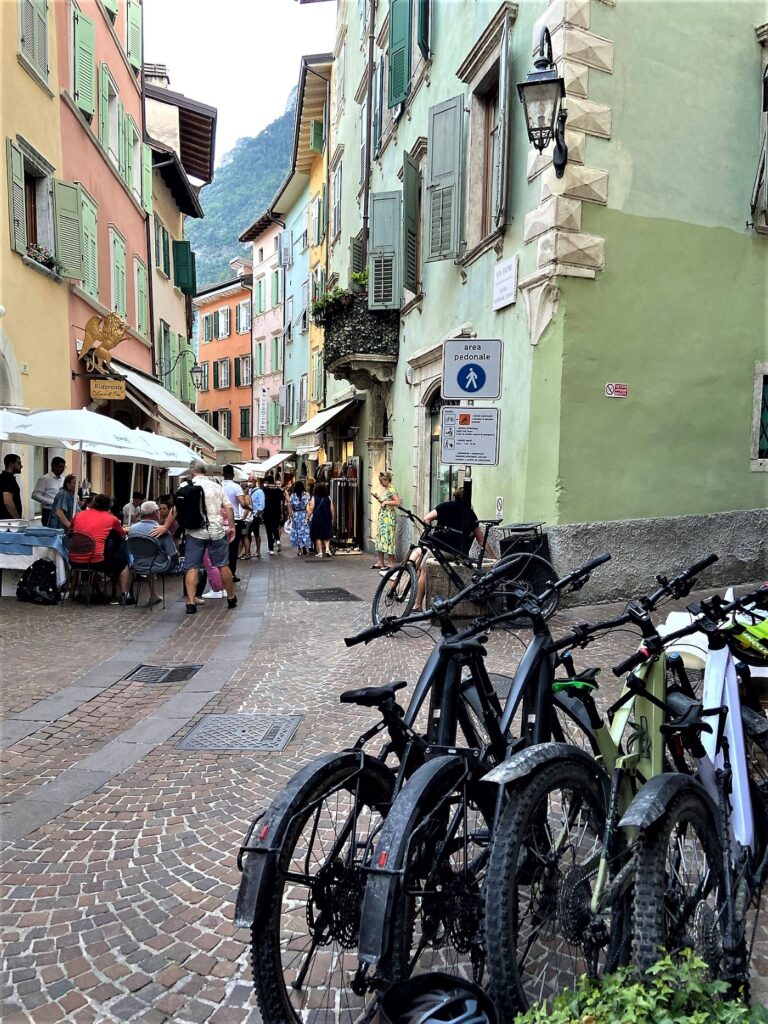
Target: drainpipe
column 368, row 122
column 148, row 224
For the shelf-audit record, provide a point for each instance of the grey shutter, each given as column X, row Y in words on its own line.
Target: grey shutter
column 284, row 248
column 85, row 64
column 28, row 30
column 503, row 133
column 443, row 187
column 411, row 189
column 216, row 324
column 41, row 37
column 17, row 207
column 384, row 273
column 69, row 229
column 356, row 254
column 282, row 403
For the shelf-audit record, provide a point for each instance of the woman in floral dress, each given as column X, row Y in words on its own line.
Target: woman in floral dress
column 385, row 540
column 300, row 537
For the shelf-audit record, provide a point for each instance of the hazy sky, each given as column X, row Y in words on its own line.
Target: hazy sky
column 240, row 56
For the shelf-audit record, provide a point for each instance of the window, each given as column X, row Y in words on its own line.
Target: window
column 34, row 36
column 285, row 400
column 303, row 397
column 273, row 417
column 245, row 421
column 305, row 229
column 117, row 247
column 204, row 380
column 336, row 221
column 205, row 416
column 317, row 376
column 243, row 317
column 318, row 282
column 243, row 372
column 223, row 322
column 225, row 422
column 258, row 352
column 223, row 365
column 277, row 243
column 166, row 254
column 258, row 296
column 284, row 247
column 317, row 221
column 158, row 242
column 305, row 307
column 261, row 256
column 110, row 115
column 339, row 68
column 207, row 327
column 84, row 64
column 142, row 316
column 289, row 318
column 277, row 291
column 90, row 246
column 133, row 158
column 363, row 127
column 276, row 354
column 442, row 479
column 443, row 180
column 759, row 453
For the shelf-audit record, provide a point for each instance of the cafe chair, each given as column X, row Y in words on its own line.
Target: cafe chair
column 147, row 552
column 82, row 545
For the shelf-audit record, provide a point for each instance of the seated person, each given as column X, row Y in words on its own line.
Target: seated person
column 97, row 522
column 64, row 505
column 165, row 504
column 449, row 517
column 165, row 560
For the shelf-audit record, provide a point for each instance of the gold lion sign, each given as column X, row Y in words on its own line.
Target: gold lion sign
column 102, row 334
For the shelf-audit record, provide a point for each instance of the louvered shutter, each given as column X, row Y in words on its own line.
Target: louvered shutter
column 284, row 248
column 275, row 295
column 122, row 124
column 324, row 209
column 174, row 376
column 130, row 134
column 69, row 229
column 316, row 135
column 503, row 132
column 443, row 186
column 141, row 299
column 194, row 274
column 237, row 318
column 41, row 37
column 378, row 103
column 104, row 107
column 112, row 6
column 356, row 254
column 384, row 275
column 134, row 34
column 28, row 30
column 118, row 275
column 411, row 189
column 182, row 267
column 399, row 51
column 216, row 373
column 363, row 127
column 216, row 324
column 17, row 207
column 90, row 247
column 424, row 12
column 166, row 254
column 282, row 400
column 146, row 177
column 85, row 64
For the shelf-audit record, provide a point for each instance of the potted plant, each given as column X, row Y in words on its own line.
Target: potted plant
column 43, row 256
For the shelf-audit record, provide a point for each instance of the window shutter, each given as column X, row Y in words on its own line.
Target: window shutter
column 224, row 317
column 130, row 135
column 134, row 34
column 174, row 377
column 237, row 318
column 141, row 299
column 283, row 394
column 85, row 64
column 216, row 324
column 378, row 99
column 28, row 29
column 423, row 23
column 185, row 381
column 194, row 274
column 216, row 373
column 443, row 186
column 363, row 126
column 316, row 135
column 399, row 51
column 356, row 254
column 104, row 107
column 166, row 254
column 182, row 267
column 411, row 189
column 112, row 6
column 41, row 37
column 146, row 177
column 90, row 247
column 17, row 206
column 118, row 275
column 324, row 210
column 238, row 374
column 69, row 229
column 284, row 248
column 275, row 296
column 503, row 134
column 384, row 283
column 121, row 140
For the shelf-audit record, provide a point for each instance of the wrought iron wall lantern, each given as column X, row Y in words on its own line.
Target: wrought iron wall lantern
column 542, row 95
column 195, row 370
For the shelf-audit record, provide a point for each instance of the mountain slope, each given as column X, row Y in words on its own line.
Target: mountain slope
column 244, row 183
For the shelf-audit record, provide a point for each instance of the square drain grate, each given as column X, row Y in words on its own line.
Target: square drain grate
column 162, row 673
column 241, row 732
column 323, row 595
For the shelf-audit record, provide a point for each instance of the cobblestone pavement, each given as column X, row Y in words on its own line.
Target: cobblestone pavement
column 117, row 847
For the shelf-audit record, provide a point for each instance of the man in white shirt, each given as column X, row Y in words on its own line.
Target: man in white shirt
column 48, row 486
column 240, row 503
column 132, row 510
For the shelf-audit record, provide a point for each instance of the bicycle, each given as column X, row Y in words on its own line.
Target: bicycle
column 396, row 593
column 303, row 860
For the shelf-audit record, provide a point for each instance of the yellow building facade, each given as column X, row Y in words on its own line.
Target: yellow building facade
column 319, row 230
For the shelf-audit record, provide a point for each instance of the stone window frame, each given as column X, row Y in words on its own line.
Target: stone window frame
column 757, row 464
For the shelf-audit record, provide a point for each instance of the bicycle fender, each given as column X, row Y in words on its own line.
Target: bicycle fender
column 654, row 798
column 258, row 854
column 529, row 759
column 427, row 784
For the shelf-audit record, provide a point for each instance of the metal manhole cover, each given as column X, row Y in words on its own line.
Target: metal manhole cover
column 325, row 594
column 162, row 673
column 241, row 732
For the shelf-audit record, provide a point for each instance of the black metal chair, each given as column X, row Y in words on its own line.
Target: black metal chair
column 147, row 551
column 84, row 547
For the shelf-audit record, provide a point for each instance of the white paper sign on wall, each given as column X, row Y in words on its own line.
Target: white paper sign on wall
column 505, row 283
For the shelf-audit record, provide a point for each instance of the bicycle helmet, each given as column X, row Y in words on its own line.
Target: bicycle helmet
column 436, row 998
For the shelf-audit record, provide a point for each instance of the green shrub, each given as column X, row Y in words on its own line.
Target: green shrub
column 676, row 993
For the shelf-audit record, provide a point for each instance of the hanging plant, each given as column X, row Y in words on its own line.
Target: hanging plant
column 329, row 303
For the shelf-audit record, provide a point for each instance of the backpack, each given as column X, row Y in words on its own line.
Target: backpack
column 190, row 508
column 38, row 583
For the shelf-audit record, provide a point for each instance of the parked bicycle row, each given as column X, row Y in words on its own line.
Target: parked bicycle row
column 520, row 841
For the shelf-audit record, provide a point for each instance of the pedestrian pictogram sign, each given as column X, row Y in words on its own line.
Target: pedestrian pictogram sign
column 471, row 368
column 469, row 437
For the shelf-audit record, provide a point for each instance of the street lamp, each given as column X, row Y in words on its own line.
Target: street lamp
column 195, row 370
column 541, row 95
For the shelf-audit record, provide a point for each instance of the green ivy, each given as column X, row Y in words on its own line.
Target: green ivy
column 674, row 993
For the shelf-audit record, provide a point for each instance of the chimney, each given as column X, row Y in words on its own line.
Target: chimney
column 157, row 75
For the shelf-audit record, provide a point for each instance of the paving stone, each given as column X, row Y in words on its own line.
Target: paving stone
column 127, row 1008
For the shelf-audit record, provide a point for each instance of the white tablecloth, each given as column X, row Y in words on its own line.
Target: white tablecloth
column 21, row 562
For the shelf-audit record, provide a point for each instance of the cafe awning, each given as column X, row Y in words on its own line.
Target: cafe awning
column 308, row 449
column 267, row 464
column 178, row 417
column 320, row 419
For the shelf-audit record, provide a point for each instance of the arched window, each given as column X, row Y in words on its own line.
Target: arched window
column 442, row 479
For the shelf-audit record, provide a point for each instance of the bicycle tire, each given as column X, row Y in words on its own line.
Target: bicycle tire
column 653, row 932
column 501, row 600
column 519, row 864
column 276, row 935
column 396, row 593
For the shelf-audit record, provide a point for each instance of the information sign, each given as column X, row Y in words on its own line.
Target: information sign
column 505, row 283
column 469, row 436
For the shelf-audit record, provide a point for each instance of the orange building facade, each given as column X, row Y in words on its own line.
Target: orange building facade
column 225, row 398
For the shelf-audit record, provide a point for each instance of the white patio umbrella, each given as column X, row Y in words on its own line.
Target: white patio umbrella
column 9, row 420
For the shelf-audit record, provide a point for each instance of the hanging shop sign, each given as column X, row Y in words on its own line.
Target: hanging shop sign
column 107, row 390
column 102, row 334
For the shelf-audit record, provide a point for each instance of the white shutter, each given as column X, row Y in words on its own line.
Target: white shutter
column 284, row 248
column 224, row 322
column 282, row 398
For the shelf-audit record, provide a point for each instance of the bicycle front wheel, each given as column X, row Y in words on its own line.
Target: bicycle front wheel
column 534, row 574
column 396, row 594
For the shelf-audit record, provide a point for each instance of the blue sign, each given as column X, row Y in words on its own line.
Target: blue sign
column 471, row 378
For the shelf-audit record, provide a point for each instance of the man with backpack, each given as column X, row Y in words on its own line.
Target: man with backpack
column 201, row 510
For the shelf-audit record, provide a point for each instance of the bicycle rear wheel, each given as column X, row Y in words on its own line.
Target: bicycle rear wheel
column 528, row 572
column 395, row 594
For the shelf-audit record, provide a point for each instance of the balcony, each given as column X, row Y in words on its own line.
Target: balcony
column 361, row 345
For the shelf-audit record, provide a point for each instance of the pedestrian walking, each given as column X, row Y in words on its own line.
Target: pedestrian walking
column 274, row 512
column 389, row 500
column 320, row 513
column 240, row 505
column 300, row 535
column 257, row 503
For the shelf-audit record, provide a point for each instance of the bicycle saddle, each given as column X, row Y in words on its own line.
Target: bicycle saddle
column 586, row 679
column 371, row 696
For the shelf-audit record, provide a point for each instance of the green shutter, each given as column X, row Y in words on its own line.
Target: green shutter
column 166, row 254
column 85, row 64
column 146, row 177
column 112, row 6
column 411, row 188
column 275, row 298
column 17, row 205
column 443, row 179
column 90, row 247
column 215, row 373
column 399, row 51
column 68, row 225
column 216, row 324
column 316, row 135
column 41, row 37
column 122, row 124
column 238, row 375
column 174, row 377
column 130, row 134
column 134, row 34
column 194, row 274
column 422, row 25
column 384, row 275
column 141, row 299
column 104, row 107
column 183, row 275
column 118, row 275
